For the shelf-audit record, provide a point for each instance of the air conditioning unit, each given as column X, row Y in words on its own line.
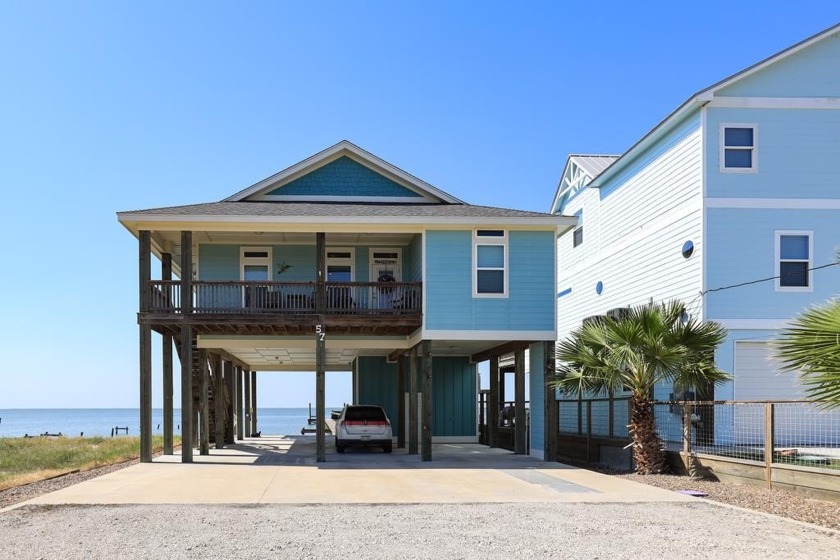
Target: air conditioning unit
column 618, row 313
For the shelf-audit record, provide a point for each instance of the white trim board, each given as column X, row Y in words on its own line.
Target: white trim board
column 488, row 335
column 774, row 203
column 752, row 324
column 821, row 103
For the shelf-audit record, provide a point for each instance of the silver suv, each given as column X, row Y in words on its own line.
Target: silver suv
column 363, row 425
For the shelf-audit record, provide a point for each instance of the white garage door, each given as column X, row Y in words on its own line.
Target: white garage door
column 758, row 376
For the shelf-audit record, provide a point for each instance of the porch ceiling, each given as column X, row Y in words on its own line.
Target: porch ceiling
column 298, row 353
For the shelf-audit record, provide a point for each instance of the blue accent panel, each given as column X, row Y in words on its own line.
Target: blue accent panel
column 344, row 177
column 743, row 243
column 218, row 262
column 788, row 143
column 454, row 397
column 537, row 381
column 378, row 384
column 531, row 296
column 807, row 73
column 565, row 292
column 683, row 129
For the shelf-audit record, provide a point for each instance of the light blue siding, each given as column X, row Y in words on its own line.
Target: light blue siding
column 454, row 392
column 413, row 260
column 218, row 262
column 742, row 242
column 797, row 151
column 344, row 177
column 812, row 72
column 449, row 268
column 537, row 381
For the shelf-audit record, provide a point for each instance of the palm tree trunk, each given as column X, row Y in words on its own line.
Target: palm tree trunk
column 647, row 448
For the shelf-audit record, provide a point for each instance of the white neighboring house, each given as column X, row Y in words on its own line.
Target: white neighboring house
column 731, row 204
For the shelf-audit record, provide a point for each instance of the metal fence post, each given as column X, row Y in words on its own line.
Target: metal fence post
column 589, row 431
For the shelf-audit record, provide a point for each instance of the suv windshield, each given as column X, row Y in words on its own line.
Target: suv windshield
column 357, row 413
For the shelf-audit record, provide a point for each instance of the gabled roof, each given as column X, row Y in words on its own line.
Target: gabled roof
column 695, row 102
column 580, row 170
column 270, row 188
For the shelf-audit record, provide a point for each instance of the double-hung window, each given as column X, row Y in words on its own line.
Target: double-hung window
column 490, row 256
column 577, row 235
column 738, row 148
column 794, row 260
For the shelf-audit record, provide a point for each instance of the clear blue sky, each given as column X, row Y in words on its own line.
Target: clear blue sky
column 109, row 106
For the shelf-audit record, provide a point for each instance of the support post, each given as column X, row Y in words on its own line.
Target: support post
column 401, row 402
column 246, row 402
column 166, row 352
column 254, row 402
column 427, row 400
column 240, row 407
column 186, row 350
column 204, row 404
column 493, row 404
column 219, row 402
column 230, row 382
column 412, row 403
column 320, row 345
column 769, row 449
column 552, row 409
column 145, row 266
column 520, row 429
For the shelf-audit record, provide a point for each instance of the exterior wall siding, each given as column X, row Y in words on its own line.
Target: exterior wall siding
column 803, row 74
column 743, row 244
column 796, row 150
column 344, row 177
column 454, row 393
column 449, row 268
column 633, row 235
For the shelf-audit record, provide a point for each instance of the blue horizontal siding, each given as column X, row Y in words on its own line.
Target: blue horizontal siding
column 811, row 72
column 796, row 152
column 344, row 177
column 743, row 244
column 450, row 304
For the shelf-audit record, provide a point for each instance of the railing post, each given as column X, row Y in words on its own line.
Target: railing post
column 769, row 412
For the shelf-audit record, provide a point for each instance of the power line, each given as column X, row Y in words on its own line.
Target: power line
column 766, row 279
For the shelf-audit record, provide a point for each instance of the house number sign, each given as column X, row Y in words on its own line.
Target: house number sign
column 320, row 332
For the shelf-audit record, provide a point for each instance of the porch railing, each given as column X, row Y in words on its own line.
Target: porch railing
column 344, row 298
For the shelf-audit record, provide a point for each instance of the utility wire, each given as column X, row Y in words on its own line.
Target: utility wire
column 765, row 279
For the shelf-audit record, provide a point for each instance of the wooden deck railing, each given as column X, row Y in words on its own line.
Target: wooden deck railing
column 344, row 298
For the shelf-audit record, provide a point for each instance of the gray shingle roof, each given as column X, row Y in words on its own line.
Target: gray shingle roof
column 314, row 209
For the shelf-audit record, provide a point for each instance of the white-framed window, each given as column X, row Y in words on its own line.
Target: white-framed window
column 577, row 234
column 490, row 263
column 255, row 264
column 340, row 261
column 738, row 148
column 794, row 261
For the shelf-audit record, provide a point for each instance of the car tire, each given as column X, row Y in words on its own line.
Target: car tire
column 339, row 447
column 387, row 448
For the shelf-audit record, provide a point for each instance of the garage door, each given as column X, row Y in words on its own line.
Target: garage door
column 758, row 376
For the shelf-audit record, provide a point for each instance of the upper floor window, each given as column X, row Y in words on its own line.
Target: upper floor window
column 490, row 256
column 794, row 258
column 738, row 148
column 577, row 235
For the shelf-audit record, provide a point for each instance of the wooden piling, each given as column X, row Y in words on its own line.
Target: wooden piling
column 145, row 349
column 186, row 350
column 520, row 429
column 427, row 400
column 166, row 355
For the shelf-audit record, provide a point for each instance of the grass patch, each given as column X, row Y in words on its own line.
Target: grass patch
column 25, row 460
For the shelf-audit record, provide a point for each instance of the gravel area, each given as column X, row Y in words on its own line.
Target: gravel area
column 779, row 502
column 467, row 531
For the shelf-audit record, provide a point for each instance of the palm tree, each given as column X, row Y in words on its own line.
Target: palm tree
column 811, row 345
column 650, row 344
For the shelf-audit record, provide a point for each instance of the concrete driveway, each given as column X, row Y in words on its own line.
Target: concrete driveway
column 282, row 470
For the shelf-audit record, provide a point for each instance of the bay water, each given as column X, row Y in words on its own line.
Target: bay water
column 17, row 422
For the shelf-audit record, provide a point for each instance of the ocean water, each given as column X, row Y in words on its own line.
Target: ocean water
column 17, row 422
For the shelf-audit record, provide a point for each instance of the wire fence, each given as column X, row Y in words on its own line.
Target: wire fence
column 782, row 432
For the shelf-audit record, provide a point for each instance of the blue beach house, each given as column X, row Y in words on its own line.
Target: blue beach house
column 342, row 262
column 730, row 204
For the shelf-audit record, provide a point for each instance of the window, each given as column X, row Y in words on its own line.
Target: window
column 794, row 250
column 340, row 265
column 490, row 258
column 577, row 236
column 738, row 148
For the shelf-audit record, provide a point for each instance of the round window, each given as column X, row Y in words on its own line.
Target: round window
column 599, row 287
column 688, row 249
